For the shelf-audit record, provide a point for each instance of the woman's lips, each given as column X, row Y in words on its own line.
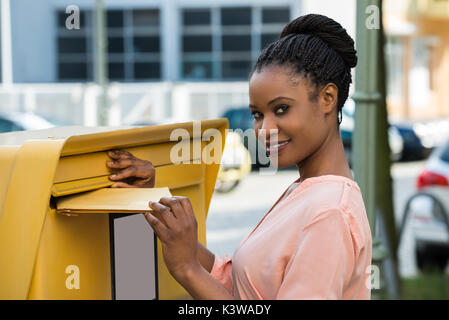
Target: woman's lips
column 277, row 147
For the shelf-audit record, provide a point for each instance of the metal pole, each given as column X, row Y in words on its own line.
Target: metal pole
column 101, row 66
column 367, row 97
column 7, row 77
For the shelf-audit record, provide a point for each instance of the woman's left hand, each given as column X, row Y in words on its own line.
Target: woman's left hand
column 173, row 221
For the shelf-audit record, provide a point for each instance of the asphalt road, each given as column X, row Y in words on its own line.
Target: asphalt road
column 233, row 215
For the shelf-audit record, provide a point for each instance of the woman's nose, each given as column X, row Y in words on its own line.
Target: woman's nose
column 269, row 129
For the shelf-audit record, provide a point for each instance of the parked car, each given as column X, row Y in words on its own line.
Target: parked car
column 18, row 121
column 404, row 138
column 429, row 213
column 241, row 121
column 235, row 164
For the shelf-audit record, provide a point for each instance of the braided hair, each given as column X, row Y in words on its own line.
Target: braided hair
column 318, row 49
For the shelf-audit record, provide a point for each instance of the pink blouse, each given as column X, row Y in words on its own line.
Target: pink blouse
column 313, row 244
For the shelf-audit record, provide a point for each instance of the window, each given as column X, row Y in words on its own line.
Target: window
column 74, row 47
column 133, row 51
column 445, row 154
column 394, row 52
column 224, row 43
column 274, row 20
column 420, row 72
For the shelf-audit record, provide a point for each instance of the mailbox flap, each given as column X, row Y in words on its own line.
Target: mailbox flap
column 111, row 200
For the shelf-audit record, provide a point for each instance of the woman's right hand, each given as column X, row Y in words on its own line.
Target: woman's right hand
column 129, row 171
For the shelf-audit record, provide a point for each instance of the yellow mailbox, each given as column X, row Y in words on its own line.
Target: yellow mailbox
column 48, row 250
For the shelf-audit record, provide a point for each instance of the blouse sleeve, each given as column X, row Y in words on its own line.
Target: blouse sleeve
column 222, row 271
column 322, row 261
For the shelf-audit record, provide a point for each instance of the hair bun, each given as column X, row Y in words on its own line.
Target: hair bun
column 327, row 30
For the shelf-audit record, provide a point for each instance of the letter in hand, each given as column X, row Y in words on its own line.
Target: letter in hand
column 129, row 171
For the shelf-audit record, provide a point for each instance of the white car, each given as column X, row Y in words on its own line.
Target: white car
column 18, row 121
column 429, row 211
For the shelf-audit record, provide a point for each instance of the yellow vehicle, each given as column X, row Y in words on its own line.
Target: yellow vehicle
column 65, row 235
column 235, row 163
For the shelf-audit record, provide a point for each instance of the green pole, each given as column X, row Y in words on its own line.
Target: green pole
column 367, row 97
column 101, row 70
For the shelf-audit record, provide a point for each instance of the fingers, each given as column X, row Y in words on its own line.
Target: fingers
column 122, row 185
column 164, row 212
column 159, row 228
column 186, row 205
column 127, row 173
column 175, row 206
column 122, row 163
column 119, row 154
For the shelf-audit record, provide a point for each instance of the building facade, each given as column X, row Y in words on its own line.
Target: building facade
column 418, row 58
column 167, row 59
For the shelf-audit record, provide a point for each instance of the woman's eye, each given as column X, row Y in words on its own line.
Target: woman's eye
column 281, row 109
column 256, row 115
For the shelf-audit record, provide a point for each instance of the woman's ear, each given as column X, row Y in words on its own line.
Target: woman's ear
column 328, row 98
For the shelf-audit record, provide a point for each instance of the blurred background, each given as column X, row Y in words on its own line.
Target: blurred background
column 148, row 62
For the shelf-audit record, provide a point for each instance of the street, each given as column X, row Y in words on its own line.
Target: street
column 233, row 215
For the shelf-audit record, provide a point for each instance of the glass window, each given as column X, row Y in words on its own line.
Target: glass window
column 197, row 70
column 419, row 75
column 133, row 46
column 268, row 38
column 147, row 70
column 146, row 44
column 236, row 43
column 236, row 68
column 445, row 153
column 72, row 45
column 275, row 15
column 227, row 50
column 146, row 18
column 394, row 50
column 235, row 16
column 197, row 43
column 75, row 71
column 115, row 44
column 196, row 17
column 114, row 18
column 116, row 70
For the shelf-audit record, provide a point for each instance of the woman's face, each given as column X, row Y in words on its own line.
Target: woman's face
column 282, row 107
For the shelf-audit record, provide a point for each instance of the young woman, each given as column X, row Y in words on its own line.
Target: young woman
column 315, row 242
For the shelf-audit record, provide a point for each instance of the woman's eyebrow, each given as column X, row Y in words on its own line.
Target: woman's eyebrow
column 280, row 98
column 252, row 106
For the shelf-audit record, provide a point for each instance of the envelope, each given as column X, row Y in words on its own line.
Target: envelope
column 111, row 200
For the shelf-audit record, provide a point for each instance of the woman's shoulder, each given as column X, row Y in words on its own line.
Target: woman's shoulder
column 319, row 197
column 328, row 191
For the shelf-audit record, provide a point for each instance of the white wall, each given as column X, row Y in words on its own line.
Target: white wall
column 342, row 11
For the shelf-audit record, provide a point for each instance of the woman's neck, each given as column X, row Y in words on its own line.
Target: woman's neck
column 328, row 159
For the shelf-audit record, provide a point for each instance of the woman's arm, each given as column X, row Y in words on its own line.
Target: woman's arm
column 178, row 236
column 132, row 172
column 205, row 257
